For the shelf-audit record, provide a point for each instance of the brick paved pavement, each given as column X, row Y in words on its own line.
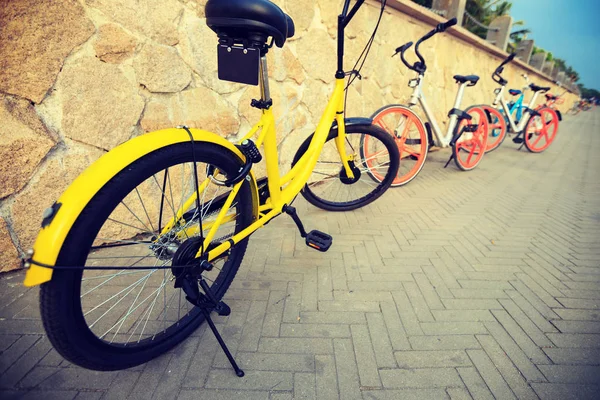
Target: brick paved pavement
column 479, row 285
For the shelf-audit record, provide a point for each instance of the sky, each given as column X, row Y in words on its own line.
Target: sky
column 570, row 29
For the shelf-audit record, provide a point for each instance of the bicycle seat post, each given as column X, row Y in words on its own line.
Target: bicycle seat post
column 265, row 94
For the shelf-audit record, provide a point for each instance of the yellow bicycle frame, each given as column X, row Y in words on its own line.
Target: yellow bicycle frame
column 282, row 189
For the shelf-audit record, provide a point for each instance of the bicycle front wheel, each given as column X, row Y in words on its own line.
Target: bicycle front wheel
column 373, row 152
column 411, row 138
column 541, row 130
column 116, row 319
column 469, row 149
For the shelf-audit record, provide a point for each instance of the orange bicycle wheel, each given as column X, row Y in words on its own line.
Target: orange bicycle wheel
column 496, row 128
column 541, row 130
column 410, row 136
column 469, row 149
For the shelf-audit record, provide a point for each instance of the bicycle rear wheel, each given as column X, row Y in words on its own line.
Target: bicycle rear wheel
column 116, row 319
column 541, row 130
column 496, row 128
column 373, row 152
column 469, row 149
column 411, row 138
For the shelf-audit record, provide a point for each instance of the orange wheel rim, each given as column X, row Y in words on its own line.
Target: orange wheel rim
column 410, row 137
column 541, row 130
column 470, row 150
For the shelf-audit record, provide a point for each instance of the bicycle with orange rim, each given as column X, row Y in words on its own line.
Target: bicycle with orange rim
column 536, row 131
column 466, row 134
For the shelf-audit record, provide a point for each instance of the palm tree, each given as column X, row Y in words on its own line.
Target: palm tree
column 485, row 11
column 572, row 74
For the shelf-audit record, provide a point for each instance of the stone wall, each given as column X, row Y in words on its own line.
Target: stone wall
column 79, row 77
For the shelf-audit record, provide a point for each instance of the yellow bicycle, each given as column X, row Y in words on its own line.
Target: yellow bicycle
column 142, row 246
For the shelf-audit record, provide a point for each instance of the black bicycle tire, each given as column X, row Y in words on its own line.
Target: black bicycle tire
column 59, row 298
column 426, row 138
column 390, row 145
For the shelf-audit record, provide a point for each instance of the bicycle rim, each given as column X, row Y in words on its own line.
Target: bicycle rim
column 411, row 138
column 541, row 130
column 470, row 147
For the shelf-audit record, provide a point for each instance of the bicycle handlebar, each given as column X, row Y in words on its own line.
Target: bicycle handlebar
column 420, row 66
column 496, row 75
column 445, row 25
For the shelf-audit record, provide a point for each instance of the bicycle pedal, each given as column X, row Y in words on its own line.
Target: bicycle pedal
column 318, row 240
column 518, row 139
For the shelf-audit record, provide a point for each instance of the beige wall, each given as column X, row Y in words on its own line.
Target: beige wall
column 78, row 78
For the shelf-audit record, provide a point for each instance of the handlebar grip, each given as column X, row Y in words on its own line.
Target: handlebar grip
column 442, row 27
column 511, row 57
column 404, row 47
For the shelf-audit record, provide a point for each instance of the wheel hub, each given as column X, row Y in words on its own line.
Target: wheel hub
column 344, row 176
column 185, row 255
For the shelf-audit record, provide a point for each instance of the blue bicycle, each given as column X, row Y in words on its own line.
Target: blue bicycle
column 516, row 109
column 534, row 126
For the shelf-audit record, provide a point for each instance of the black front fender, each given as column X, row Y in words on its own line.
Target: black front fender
column 559, row 115
column 355, row 121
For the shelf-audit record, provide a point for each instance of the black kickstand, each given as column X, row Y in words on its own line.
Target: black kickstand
column 450, row 159
column 207, row 302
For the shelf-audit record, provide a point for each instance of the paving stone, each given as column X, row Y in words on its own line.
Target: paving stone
column 458, row 394
column 462, row 316
column 295, row 345
column 582, row 356
column 332, row 317
column 150, row 379
column 253, row 380
column 504, row 365
column 380, row 341
column 432, row 359
column 566, row 391
column 326, row 377
column 365, row 356
column 453, row 328
column 578, row 315
column 123, row 384
column 405, row 394
column 490, row 374
column 577, row 326
column 512, row 350
column 26, row 362
column 450, row 342
column 406, row 313
column 419, row 378
column 71, row 378
column 571, row 373
column 347, row 370
column 222, row 394
column 522, row 339
column 345, row 306
column 593, row 304
column 418, row 302
column 276, row 362
column 538, row 319
column 475, row 383
column 471, row 304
